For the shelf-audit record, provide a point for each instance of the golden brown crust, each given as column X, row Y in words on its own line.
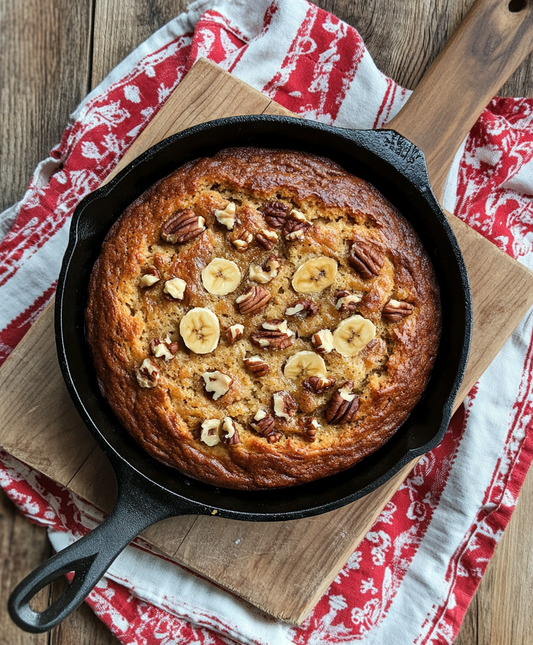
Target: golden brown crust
column 345, row 213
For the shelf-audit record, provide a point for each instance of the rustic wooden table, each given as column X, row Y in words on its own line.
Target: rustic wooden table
column 52, row 55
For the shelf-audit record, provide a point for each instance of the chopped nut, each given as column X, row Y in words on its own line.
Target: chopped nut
column 284, row 405
column 210, row 432
column 163, row 348
column 242, row 239
column 263, row 423
column 267, row 272
column 151, row 276
column 395, row 310
column 274, row 334
column 366, row 259
column 296, row 226
column 229, row 427
column 253, row 300
column 234, row 333
column 275, row 213
column 217, row 382
column 318, row 384
column 182, row 227
column 305, row 307
column 311, row 426
column 147, row 373
column 343, row 405
column 227, row 216
column 267, row 239
column 346, row 301
column 175, row 288
column 323, row 341
column 257, row 366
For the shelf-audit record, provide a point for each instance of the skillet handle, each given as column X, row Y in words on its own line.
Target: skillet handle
column 89, row 558
column 490, row 43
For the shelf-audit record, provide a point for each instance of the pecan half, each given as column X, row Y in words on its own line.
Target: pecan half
column 230, row 434
column 182, row 227
column 254, row 299
column 318, row 384
column 274, row 334
column 395, row 310
column 346, row 301
column 234, row 333
column 275, row 213
column 310, row 426
column 150, row 277
column 163, row 348
column 147, row 373
column 241, row 239
column 305, row 307
column 265, row 425
column 283, row 404
column 296, row 226
column 343, row 405
column 267, row 239
column 257, row 366
column 366, row 259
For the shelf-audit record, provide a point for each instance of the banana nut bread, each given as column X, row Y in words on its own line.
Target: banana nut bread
column 262, row 318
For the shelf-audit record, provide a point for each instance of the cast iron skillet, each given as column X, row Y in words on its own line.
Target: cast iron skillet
column 147, row 490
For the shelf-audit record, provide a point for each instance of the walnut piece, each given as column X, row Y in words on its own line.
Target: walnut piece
column 311, row 426
column 230, row 433
column 296, row 226
column 323, row 341
column 273, row 334
column 217, row 383
column 366, row 259
column 147, row 373
column 150, row 277
column 395, row 310
column 227, row 216
column 163, row 348
column 210, row 432
column 275, row 213
column 266, row 272
column 175, row 288
column 253, row 300
column 234, row 333
column 242, row 239
column 182, row 227
column 284, row 405
column 346, row 301
column 343, row 405
column 318, row 384
column 267, row 239
column 265, row 425
column 305, row 307
column 257, row 366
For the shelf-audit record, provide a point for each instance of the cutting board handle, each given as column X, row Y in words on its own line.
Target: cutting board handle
column 491, row 42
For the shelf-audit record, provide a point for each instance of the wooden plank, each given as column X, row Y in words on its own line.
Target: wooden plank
column 185, row 539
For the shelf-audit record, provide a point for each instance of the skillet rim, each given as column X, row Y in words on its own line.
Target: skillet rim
column 394, row 148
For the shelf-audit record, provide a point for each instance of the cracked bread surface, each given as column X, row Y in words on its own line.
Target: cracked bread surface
column 344, row 217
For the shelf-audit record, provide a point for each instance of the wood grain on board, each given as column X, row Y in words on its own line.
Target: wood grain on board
column 57, row 443
column 50, row 53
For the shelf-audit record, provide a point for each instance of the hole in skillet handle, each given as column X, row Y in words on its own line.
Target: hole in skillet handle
column 515, row 6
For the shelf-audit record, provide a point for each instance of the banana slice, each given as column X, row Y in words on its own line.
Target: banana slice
column 303, row 365
column 353, row 334
column 200, row 330
column 221, row 277
column 315, row 275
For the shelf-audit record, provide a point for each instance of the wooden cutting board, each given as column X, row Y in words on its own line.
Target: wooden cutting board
column 267, row 564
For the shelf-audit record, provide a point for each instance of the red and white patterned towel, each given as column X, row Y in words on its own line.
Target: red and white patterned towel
column 414, row 574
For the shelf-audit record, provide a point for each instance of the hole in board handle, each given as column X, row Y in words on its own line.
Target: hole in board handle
column 517, row 5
